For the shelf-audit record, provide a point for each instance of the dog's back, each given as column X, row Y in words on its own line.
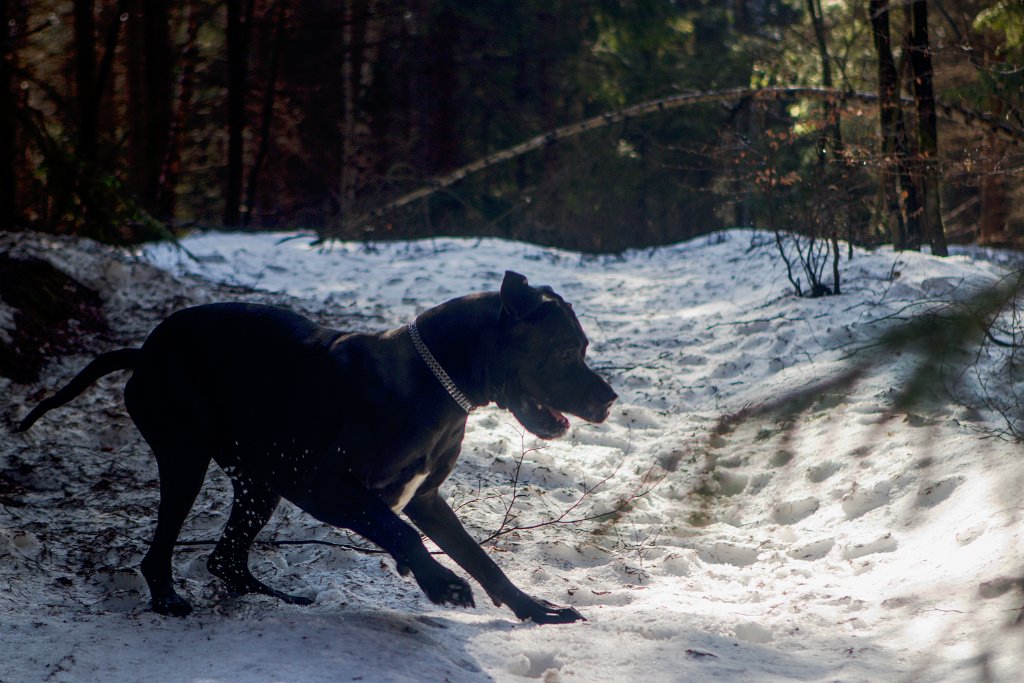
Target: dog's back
column 233, row 369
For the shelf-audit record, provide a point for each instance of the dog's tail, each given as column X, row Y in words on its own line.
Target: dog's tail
column 122, row 359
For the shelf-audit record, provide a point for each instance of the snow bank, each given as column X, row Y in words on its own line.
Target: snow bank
column 837, row 543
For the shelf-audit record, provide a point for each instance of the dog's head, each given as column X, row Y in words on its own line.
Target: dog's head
column 543, row 371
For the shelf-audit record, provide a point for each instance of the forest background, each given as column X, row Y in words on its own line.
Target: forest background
column 130, row 120
column 594, row 125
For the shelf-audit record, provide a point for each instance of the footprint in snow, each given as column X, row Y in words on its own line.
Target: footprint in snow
column 753, row 633
column 883, row 544
column 730, row 483
column 120, row 580
column 755, row 327
column 791, row 512
column 937, row 492
column 815, row 550
column 819, row 473
column 728, row 553
column 541, row 665
column 726, row 370
column 860, row 501
column 23, row 544
column 676, row 564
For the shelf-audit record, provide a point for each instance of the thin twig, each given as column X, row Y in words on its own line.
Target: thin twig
column 345, row 546
column 645, row 486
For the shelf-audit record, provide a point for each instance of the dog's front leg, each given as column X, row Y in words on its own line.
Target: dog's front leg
column 355, row 508
column 438, row 521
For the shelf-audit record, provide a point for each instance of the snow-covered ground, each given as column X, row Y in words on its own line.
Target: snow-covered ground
column 841, row 542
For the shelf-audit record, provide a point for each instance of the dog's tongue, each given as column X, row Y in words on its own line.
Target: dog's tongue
column 562, row 419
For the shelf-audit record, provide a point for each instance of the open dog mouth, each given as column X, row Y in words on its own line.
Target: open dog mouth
column 542, row 420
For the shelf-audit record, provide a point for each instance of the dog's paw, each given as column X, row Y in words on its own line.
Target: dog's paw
column 172, row 605
column 294, row 599
column 544, row 612
column 443, row 587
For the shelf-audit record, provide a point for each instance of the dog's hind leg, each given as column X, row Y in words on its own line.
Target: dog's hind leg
column 253, row 505
column 182, row 461
column 181, row 477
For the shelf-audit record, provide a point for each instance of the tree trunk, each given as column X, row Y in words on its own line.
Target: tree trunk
column 151, row 83
column 106, row 63
column 160, row 99
column 8, row 141
column 897, row 181
column 442, row 138
column 927, row 127
column 832, row 139
column 361, row 36
column 888, row 111
column 239, row 23
column 85, row 80
column 270, row 93
column 170, row 167
column 995, row 205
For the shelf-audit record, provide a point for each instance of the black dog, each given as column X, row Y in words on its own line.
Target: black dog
column 352, row 428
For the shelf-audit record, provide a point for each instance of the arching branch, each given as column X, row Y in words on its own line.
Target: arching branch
column 947, row 111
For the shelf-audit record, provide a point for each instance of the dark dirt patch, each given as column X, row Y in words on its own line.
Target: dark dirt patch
column 54, row 314
column 12, row 494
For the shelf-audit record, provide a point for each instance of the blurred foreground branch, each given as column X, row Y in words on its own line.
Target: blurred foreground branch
column 969, row 349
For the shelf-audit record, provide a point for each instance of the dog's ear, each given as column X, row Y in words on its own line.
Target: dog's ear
column 518, row 298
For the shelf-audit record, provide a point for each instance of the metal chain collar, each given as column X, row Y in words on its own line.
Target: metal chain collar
column 435, row 367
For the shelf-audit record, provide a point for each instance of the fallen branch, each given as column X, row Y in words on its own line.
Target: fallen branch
column 947, row 111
